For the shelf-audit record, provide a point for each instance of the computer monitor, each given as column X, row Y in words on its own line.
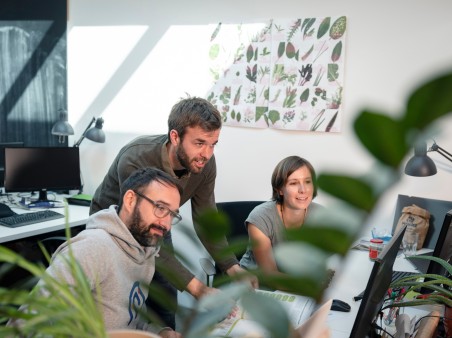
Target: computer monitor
column 437, row 210
column 42, row 169
column 4, row 145
column 377, row 287
column 443, row 249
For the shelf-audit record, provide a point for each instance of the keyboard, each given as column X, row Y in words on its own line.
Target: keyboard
column 396, row 275
column 19, row 220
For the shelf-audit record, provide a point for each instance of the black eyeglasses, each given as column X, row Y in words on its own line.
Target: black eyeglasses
column 161, row 210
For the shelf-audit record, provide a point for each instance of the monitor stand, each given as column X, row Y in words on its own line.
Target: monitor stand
column 42, row 201
column 42, row 197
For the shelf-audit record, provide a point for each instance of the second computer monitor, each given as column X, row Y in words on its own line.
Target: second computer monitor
column 42, row 169
column 377, row 286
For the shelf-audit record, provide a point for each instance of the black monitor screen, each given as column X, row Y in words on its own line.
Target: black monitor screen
column 437, row 210
column 4, row 145
column 443, row 249
column 377, row 286
column 42, row 169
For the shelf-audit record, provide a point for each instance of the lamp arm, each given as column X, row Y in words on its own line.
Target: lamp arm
column 76, row 144
column 441, row 151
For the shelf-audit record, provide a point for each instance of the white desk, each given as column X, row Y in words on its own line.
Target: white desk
column 77, row 215
column 350, row 281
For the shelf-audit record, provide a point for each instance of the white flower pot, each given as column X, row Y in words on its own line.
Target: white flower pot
column 131, row 334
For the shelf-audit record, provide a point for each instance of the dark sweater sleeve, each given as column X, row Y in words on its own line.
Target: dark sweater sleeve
column 176, row 272
column 202, row 200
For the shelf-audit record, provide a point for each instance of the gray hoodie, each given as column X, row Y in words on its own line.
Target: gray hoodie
column 111, row 257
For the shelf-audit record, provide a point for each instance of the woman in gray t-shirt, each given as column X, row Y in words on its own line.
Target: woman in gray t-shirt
column 294, row 187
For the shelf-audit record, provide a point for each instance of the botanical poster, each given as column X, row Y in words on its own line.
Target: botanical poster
column 284, row 74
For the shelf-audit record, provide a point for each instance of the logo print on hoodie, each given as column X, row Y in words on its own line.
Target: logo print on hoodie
column 136, row 301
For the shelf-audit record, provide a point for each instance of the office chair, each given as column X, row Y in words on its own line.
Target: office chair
column 237, row 212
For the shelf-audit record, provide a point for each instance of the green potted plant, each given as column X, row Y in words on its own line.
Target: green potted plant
column 439, row 285
column 54, row 308
column 58, row 310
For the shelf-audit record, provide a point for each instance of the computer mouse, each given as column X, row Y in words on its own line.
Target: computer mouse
column 340, row 305
column 5, row 211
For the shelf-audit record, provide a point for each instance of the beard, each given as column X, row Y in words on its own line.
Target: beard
column 142, row 233
column 183, row 159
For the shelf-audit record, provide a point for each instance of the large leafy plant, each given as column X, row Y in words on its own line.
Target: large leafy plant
column 389, row 140
column 54, row 308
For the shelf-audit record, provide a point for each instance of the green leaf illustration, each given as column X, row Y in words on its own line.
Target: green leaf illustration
column 249, row 53
column 331, row 123
column 233, row 114
column 293, row 29
column 290, row 50
column 237, row 96
column 304, row 96
column 307, row 27
column 239, row 117
column 215, row 32
column 338, row 28
column 260, row 111
column 289, row 100
column 281, row 49
column 336, row 52
column 251, row 74
column 324, row 27
column 273, row 116
column 214, row 51
column 306, row 55
column 333, row 73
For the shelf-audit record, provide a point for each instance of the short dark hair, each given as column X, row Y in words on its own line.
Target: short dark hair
column 193, row 112
column 140, row 178
column 284, row 169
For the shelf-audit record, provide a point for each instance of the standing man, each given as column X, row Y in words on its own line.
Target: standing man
column 186, row 153
column 117, row 249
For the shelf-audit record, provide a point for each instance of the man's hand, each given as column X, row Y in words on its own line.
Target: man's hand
column 236, row 269
column 169, row 333
column 198, row 289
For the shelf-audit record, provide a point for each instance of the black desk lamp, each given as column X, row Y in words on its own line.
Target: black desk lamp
column 422, row 165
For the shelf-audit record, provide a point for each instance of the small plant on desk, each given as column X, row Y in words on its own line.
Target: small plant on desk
column 440, row 286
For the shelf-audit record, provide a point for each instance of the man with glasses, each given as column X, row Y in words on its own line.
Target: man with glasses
column 117, row 249
column 186, row 153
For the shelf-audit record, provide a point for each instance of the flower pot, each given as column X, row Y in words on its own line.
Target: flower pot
column 131, row 334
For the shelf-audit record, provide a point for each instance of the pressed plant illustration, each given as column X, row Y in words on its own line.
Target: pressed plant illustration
column 282, row 70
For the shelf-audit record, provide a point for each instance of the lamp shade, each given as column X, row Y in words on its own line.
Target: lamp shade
column 420, row 164
column 62, row 126
column 96, row 134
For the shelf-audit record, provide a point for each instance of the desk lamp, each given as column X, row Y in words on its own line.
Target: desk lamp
column 95, row 134
column 420, row 164
column 62, row 128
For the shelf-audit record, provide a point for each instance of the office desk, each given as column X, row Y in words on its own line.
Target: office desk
column 350, row 281
column 77, row 216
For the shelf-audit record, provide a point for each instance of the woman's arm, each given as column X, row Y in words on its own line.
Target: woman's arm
column 262, row 249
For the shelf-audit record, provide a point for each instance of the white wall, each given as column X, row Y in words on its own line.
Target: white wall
column 130, row 61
